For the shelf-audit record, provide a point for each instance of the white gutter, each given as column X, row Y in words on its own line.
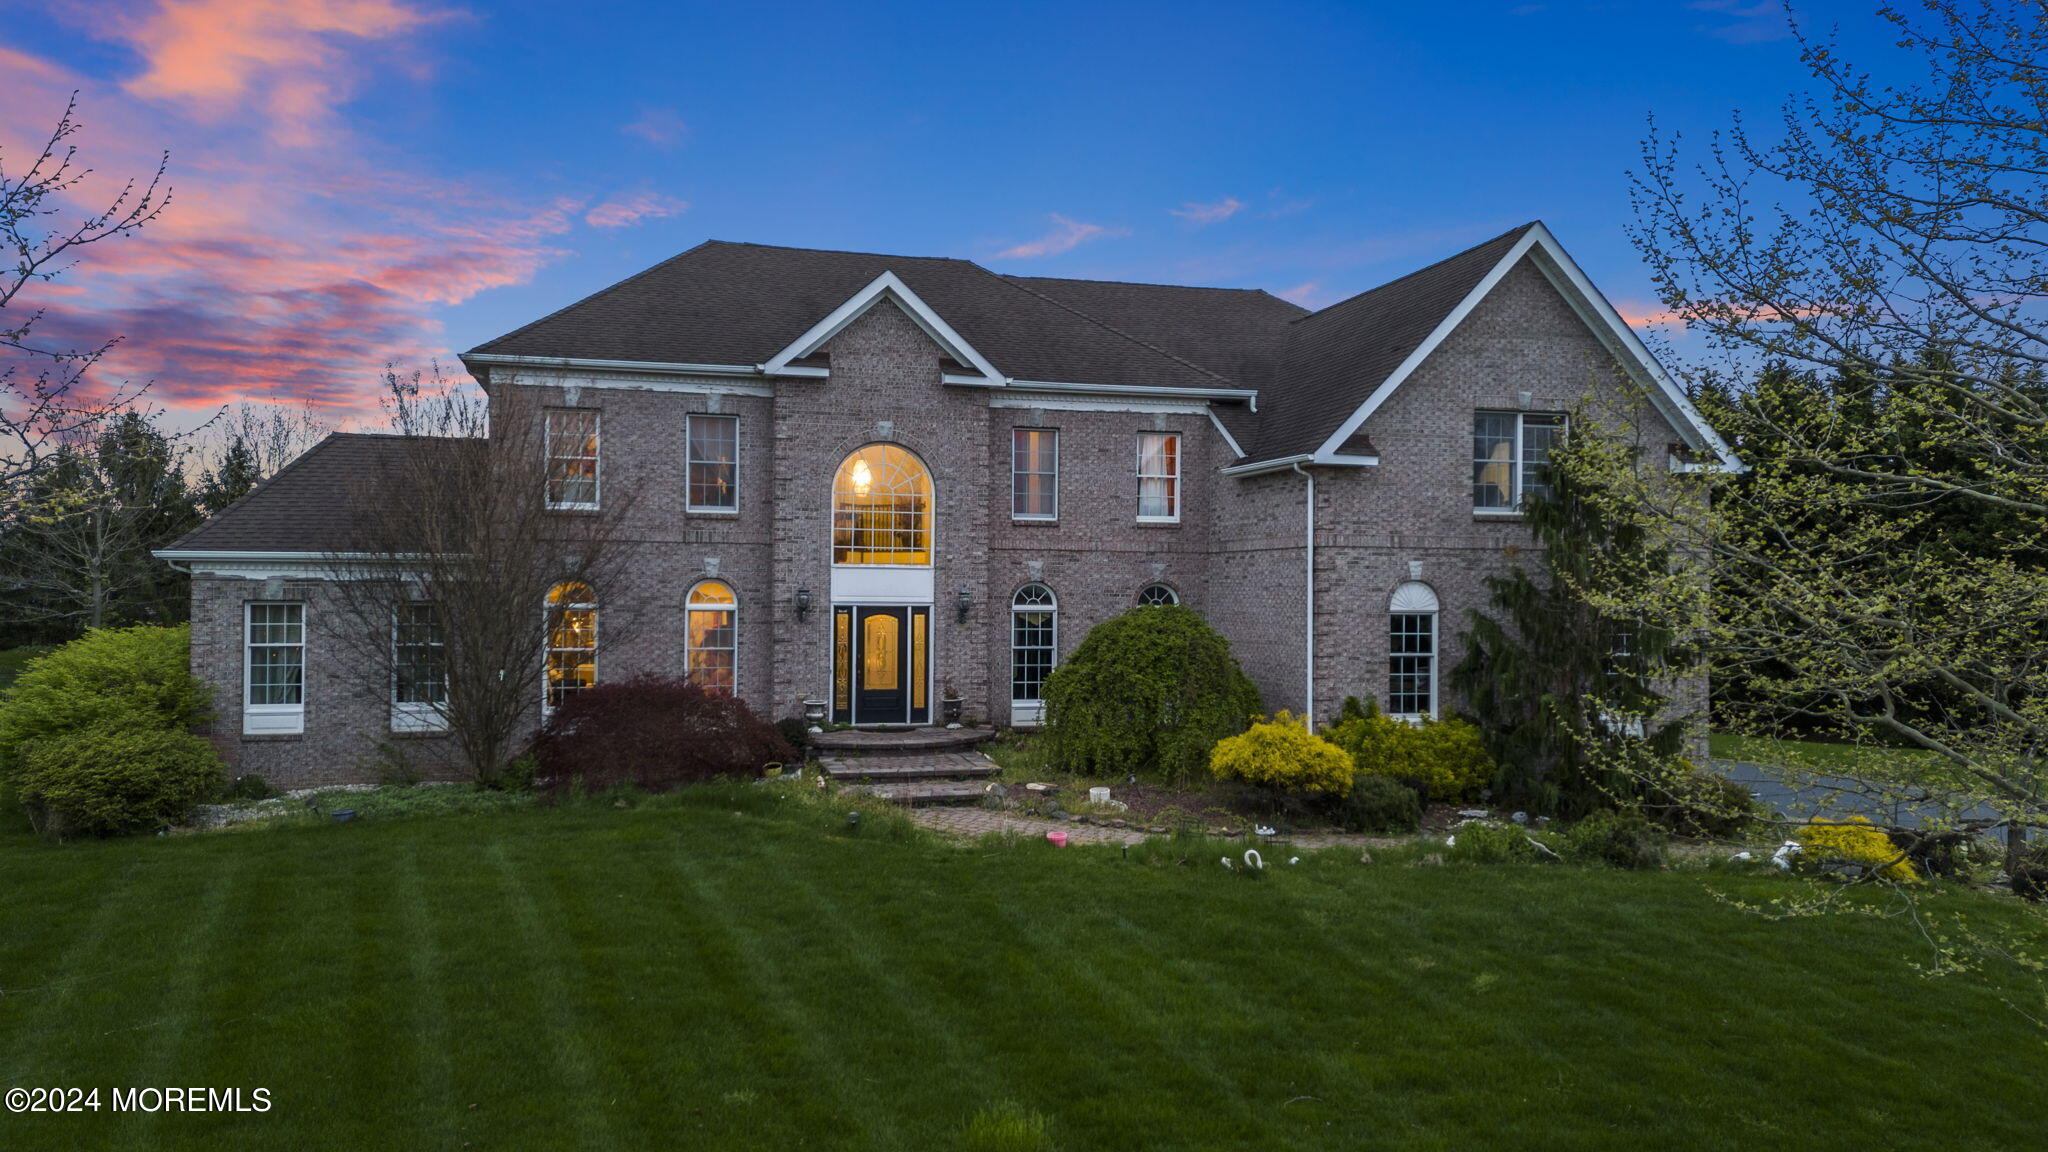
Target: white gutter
column 615, row 365
column 1308, row 715
column 1292, row 463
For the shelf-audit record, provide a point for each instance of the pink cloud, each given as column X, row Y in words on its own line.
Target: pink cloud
column 661, row 127
column 1646, row 315
column 631, row 208
column 292, row 61
column 1195, row 213
column 276, row 270
column 1064, row 236
column 1305, row 294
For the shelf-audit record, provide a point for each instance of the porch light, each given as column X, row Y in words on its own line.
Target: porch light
column 803, row 604
column 966, row 603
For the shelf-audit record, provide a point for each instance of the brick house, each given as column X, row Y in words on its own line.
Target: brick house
column 876, row 481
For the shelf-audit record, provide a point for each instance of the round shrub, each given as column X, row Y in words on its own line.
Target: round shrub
column 1620, row 839
column 1377, row 804
column 1442, row 759
column 1853, row 840
column 113, row 780
column 1706, row 805
column 1283, row 754
column 797, row 731
column 1150, row 691
column 652, row 733
column 138, row 678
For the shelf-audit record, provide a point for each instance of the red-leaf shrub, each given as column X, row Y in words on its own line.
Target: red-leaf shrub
column 652, row 733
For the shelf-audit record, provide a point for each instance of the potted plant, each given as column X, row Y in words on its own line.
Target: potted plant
column 950, row 704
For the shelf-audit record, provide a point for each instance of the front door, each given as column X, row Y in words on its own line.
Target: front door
column 882, row 659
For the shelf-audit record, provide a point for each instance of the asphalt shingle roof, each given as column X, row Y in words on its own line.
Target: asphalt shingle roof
column 307, row 506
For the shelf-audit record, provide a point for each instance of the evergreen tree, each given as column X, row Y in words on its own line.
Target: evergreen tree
column 231, row 477
column 1569, row 698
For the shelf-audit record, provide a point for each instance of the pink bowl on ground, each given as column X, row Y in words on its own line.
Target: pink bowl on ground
column 1059, row 839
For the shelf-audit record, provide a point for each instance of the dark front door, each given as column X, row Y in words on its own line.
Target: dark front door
column 884, row 657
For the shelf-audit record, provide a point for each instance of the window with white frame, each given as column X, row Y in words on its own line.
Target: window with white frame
column 1411, row 651
column 1159, row 477
column 572, row 445
column 1034, row 638
column 1157, row 596
column 1035, row 474
column 572, row 642
column 419, row 669
column 712, row 636
column 274, row 669
column 1510, row 452
column 714, row 451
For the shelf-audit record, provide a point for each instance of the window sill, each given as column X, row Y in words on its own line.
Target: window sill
column 575, row 509
column 721, row 513
column 272, row 737
column 1158, row 522
column 1497, row 514
column 1041, row 521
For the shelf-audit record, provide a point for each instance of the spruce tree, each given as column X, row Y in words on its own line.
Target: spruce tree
column 1570, row 698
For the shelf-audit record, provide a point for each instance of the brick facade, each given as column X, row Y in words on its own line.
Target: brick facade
column 1237, row 554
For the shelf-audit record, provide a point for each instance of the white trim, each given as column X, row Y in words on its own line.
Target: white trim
column 1029, row 713
column 1435, row 657
column 1032, row 517
column 690, row 461
column 889, row 285
column 416, row 715
column 272, row 719
column 596, row 459
column 655, row 366
column 1056, row 402
column 1249, row 395
column 1224, row 432
column 647, row 382
column 1598, row 314
column 1308, row 589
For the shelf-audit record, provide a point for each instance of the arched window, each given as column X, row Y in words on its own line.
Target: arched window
column 1034, row 639
column 572, row 642
column 1157, row 596
column 882, row 508
column 712, row 636
column 1411, row 651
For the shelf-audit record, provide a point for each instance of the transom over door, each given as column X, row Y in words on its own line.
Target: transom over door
column 881, row 665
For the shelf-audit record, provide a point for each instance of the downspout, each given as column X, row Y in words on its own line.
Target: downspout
column 1308, row 717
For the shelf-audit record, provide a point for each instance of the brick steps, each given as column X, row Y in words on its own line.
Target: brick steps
column 900, row 742
column 924, row 792
column 896, row 769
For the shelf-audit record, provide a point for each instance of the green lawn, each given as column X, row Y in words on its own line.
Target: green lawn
column 1814, row 755
column 731, row 969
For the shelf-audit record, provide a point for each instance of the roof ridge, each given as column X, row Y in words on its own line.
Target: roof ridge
column 840, row 251
column 1134, row 283
column 648, row 271
column 1523, row 227
column 1111, row 328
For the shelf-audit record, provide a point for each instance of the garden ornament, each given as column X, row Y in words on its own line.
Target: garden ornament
column 1783, row 856
column 1057, row 839
column 1252, row 859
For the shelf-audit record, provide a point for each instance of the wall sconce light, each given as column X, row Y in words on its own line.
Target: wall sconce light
column 803, row 604
column 966, row 603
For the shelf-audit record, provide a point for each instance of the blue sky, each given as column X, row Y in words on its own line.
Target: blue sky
column 369, row 180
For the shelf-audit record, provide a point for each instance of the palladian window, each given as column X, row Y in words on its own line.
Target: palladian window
column 882, row 508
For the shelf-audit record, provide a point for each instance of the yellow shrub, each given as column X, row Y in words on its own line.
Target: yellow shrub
column 1857, row 840
column 1445, row 759
column 1282, row 753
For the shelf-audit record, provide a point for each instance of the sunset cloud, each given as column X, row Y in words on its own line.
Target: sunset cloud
column 1198, row 214
column 1064, row 236
column 1307, row 294
column 661, row 127
column 276, row 270
column 632, row 208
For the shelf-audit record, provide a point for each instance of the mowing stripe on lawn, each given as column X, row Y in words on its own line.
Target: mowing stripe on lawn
column 774, row 988
column 36, row 998
column 432, row 1040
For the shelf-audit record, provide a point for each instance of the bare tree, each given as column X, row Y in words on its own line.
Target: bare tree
column 465, row 570
column 45, row 403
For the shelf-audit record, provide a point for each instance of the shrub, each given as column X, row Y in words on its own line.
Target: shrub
column 796, row 731
column 1149, row 691
column 2030, row 877
column 1951, row 855
column 249, row 787
column 652, row 733
column 1441, row 759
column 138, row 678
column 1853, row 840
column 112, row 780
column 1706, row 805
column 1622, row 839
column 1283, row 754
column 1498, row 844
column 1377, row 804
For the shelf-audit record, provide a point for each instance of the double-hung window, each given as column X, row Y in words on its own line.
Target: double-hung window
column 1034, row 474
column 712, row 637
column 1158, row 478
column 419, row 670
column 1510, row 458
column 572, row 444
column 1411, row 651
column 714, row 463
column 274, row 669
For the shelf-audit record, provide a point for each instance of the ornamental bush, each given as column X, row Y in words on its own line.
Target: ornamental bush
column 1150, row 691
column 1377, row 804
column 1284, row 755
column 120, row 678
column 1444, row 760
column 652, row 733
column 106, row 781
column 1619, row 839
column 1854, row 840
